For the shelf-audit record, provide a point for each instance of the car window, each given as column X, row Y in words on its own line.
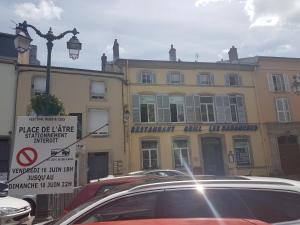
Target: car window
column 105, row 188
column 268, row 206
column 142, row 206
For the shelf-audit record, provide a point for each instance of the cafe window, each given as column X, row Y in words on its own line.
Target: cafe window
column 177, row 108
column 181, row 153
column 150, row 154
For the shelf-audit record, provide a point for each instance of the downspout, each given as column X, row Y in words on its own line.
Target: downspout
column 128, row 128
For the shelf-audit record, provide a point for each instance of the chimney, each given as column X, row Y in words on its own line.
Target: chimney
column 172, row 54
column 233, row 55
column 116, row 50
column 103, row 61
column 33, row 55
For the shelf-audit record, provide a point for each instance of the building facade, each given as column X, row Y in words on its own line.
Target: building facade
column 8, row 80
column 279, row 110
column 95, row 97
column 193, row 116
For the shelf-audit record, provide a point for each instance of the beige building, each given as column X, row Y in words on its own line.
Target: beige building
column 95, row 97
column 192, row 115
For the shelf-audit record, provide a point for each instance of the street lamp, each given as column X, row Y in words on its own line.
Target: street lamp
column 23, row 39
column 296, row 85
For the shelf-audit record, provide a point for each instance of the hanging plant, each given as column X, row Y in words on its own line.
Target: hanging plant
column 47, row 105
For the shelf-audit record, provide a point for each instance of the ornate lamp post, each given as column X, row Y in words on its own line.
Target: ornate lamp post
column 296, row 85
column 23, row 39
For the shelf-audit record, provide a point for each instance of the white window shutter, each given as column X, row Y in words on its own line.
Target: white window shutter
column 153, row 78
column 181, row 78
column 211, row 79
column 226, row 101
column 97, row 119
column 139, row 78
column 227, row 82
column 241, row 109
column 136, row 108
column 189, row 108
column 286, row 82
column 239, row 78
column 270, row 82
column 220, row 109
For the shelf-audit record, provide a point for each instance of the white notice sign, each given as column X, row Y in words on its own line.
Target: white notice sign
column 36, row 139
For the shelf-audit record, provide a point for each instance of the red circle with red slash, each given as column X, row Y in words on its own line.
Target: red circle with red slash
column 26, row 156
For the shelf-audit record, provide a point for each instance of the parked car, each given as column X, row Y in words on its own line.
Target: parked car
column 162, row 172
column 271, row 200
column 189, row 221
column 97, row 188
column 13, row 210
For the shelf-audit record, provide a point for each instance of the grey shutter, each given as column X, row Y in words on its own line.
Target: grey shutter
column 239, row 80
column 220, row 110
column 228, row 118
column 136, row 108
column 211, row 79
column 286, row 82
column 197, row 108
column 189, row 108
column 227, row 81
column 153, row 78
column 169, row 78
column 241, row 109
column 139, row 78
column 181, row 78
column 270, row 82
column 163, row 108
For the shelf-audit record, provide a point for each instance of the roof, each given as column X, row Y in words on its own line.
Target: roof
column 160, row 64
column 7, row 48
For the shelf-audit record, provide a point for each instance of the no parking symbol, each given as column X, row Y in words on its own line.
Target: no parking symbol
column 26, row 157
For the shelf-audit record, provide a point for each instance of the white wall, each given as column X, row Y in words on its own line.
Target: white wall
column 7, row 96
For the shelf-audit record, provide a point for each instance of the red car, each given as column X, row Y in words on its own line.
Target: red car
column 94, row 189
column 192, row 221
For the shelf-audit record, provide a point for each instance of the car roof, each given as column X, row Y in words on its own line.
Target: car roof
column 113, row 180
column 184, row 221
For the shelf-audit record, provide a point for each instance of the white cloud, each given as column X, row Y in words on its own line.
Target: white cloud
column 265, row 21
column 46, row 9
column 206, row 2
column 250, row 9
column 223, row 54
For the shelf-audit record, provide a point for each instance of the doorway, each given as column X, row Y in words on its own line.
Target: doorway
column 212, row 156
column 289, row 151
column 98, row 165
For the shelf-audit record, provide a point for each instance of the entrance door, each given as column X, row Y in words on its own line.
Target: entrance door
column 289, row 151
column 98, row 165
column 212, row 156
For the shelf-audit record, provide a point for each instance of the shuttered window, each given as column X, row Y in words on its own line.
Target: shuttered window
column 278, row 82
column 97, row 90
column 146, row 77
column 204, row 109
column 223, row 111
column 189, row 108
column 232, row 79
column 39, row 85
column 175, row 77
column 205, row 79
column 237, row 108
column 136, row 108
column 163, row 108
column 283, row 112
column 98, row 118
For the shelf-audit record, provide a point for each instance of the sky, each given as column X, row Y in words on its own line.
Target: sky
column 202, row 30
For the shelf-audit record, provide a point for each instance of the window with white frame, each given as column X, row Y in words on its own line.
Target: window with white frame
column 283, row 111
column 242, row 151
column 204, row 108
column 39, row 85
column 278, row 82
column 97, row 90
column 175, row 77
column 96, row 119
column 150, row 154
column 177, row 108
column 232, row 79
column 205, row 79
column 237, row 108
column 181, row 153
column 146, row 77
column 147, row 108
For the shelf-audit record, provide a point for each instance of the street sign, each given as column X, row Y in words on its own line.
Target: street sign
column 37, row 139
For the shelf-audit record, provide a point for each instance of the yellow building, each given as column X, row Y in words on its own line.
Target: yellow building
column 95, row 97
column 192, row 115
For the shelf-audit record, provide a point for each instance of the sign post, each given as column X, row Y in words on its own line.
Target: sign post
column 37, row 139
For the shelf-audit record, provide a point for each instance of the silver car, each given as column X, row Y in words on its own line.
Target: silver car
column 272, row 200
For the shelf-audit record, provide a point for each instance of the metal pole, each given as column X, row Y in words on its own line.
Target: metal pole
column 49, row 48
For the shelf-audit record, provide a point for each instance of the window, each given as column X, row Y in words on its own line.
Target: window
column 204, row 108
column 283, row 112
column 97, row 90
column 175, row 78
column 205, row 79
column 232, row 79
column 79, row 123
column 149, row 154
column 146, row 77
column 147, row 108
column 242, row 151
column 181, row 153
column 142, row 206
column 237, row 108
column 177, row 108
column 39, row 85
column 278, row 82
column 98, row 118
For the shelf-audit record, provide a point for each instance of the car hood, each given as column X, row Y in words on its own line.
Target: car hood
column 12, row 202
